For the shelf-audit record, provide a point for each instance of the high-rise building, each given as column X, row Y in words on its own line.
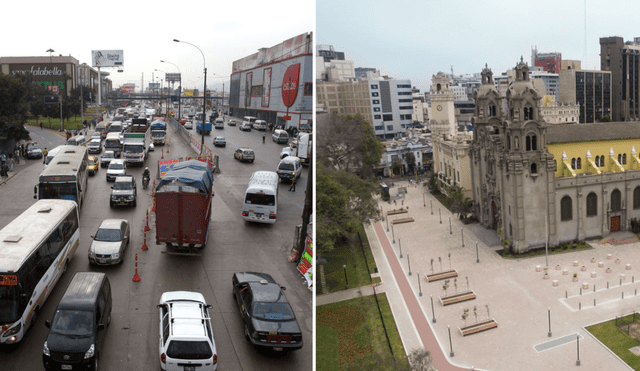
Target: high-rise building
column 591, row 90
column 550, row 62
column 331, row 65
column 623, row 60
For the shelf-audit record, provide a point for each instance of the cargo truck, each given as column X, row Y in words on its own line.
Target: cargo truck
column 207, row 127
column 183, row 207
column 159, row 132
column 136, row 142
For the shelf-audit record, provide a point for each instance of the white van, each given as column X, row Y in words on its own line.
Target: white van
column 77, row 140
column 290, row 168
column 51, row 155
column 260, row 125
column 261, row 198
column 280, row 136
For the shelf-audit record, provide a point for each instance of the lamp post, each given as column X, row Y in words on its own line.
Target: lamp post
column 204, row 100
column 179, row 90
column 477, row 255
column 433, row 313
column 578, row 346
column 549, row 313
column 344, row 267
column 419, row 285
column 450, row 343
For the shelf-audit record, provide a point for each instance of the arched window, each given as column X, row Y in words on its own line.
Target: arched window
column 573, row 163
column 592, row 204
column 624, row 158
column 616, row 200
column 534, row 143
column 566, row 212
column 620, row 159
column 508, row 141
column 636, row 198
column 534, row 168
column 579, row 163
column 527, row 142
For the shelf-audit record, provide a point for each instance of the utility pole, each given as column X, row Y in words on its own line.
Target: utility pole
column 308, row 208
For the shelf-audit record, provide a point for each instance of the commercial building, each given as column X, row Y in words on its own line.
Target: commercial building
column 549, row 62
column 57, row 73
column 331, row 65
column 276, row 84
column 590, row 90
column 623, row 60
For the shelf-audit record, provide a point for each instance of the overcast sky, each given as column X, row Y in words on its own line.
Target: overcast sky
column 225, row 31
column 416, row 39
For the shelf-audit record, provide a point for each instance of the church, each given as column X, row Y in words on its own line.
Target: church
column 536, row 183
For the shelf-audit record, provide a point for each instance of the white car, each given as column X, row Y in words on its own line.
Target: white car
column 188, row 125
column 110, row 241
column 117, row 167
column 186, row 336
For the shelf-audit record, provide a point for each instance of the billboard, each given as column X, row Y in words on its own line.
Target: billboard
column 128, row 88
column 293, row 47
column 107, row 58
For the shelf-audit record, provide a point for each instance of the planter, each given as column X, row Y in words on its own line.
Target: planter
column 399, row 211
column 575, row 279
column 441, row 276
column 448, row 300
column 402, row 220
column 478, row 327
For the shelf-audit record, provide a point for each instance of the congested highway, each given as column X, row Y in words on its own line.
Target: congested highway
column 233, row 245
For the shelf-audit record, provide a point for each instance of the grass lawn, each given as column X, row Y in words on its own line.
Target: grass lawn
column 350, row 254
column 73, row 122
column 350, row 336
column 618, row 341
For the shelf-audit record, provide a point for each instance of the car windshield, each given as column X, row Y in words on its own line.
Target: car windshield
column 108, row 155
column 189, row 350
column 116, row 166
column 72, row 322
column 272, row 311
column 285, row 167
column 108, row 235
column 248, row 153
column 157, row 133
column 94, row 144
column 122, row 185
column 91, row 162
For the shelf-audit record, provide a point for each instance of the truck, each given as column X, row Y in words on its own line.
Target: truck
column 136, row 142
column 183, row 207
column 300, row 148
column 158, row 132
column 207, row 127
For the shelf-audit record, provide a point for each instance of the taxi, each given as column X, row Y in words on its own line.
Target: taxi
column 93, row 165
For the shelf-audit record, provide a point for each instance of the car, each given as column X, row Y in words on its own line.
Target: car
column 218, row 124
column 245, row 126
column 268, row 318
column 33, row 150
column 93, row 165
column 219, row 142
column 289, row 168
column 288, row 151
column 188, row 125
column 94, row 146
column 260, row 125
column 116, row 168
column 123, row 191
column 97, row 135
column 231, row 122
column 107, row 157
column 244, row 154
column 186, row 335
column 151, row 147
column 110, row 242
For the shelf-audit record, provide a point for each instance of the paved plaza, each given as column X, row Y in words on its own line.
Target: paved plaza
column 518, row 296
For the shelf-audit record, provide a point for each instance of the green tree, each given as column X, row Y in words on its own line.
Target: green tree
column 14, row 109
column 459, row 203
column 343, row 202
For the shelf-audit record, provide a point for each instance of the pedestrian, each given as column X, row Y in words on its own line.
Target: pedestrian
column 4, row 171
column 293, row 184
column 263, row 137
column 18, row 155
column 45, row 153
column 40, row 125
column 22, row 150
column 10, row 162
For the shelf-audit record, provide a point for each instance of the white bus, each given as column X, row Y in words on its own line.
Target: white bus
column 250, row 119
column 66, row 176
column 35, row 249
column 261, row 198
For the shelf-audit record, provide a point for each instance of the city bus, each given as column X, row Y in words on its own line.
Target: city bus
column 35, row 250
column 261, row 198
column 65, row 177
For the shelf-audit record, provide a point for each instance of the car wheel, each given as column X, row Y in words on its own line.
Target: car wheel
column 111, row 204
column 134, row 203
column 95, row 363
column 251, row 161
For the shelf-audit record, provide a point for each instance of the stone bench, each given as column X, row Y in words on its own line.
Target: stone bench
column 453, row 299
column 402, row 220
column 479, row 327
column 441, row 276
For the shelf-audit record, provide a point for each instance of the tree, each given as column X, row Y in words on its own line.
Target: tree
column 344, row 201
column 13, row 107
column 460, row 204
column 349, row 143
column 420, row 360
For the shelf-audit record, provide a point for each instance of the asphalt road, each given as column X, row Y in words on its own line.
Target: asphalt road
column 234, row 245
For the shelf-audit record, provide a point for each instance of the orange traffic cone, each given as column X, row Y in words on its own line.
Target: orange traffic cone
column 162, row 154
column 153, row 193
column 154, row 205
column 136, row 278
column 144, row 243
column 146, row 227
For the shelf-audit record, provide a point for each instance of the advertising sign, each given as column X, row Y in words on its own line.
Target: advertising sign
column 166, row 165
column 107, row 58
column 266, row 87
column 188, row 92
column 128, row 88
column 304, row 266
column 290, row 84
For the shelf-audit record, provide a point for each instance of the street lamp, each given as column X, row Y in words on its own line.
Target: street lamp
column 179, row 90
column 50, row 51
column 344, row 267
column 204, row 100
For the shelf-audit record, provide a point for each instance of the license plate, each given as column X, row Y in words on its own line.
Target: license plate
column 278, row 349
column 189, row 368
column 101, row 261
column 67, row 367
column 258, row 215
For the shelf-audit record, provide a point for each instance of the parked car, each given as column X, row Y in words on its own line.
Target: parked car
column 94, row 146
column 219, row 142
column 93, row 165
column 107, row 157
column 186, row 336
column 245, row 126
column 244, row 154
column 110, row 242
column 231, row 122
column 123, row 191
column 260, row 125
column 33, row 150
column 268, row 318
column 116, row 168
column 188, row 125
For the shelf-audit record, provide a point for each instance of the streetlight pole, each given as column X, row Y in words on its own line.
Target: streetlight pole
column 549, row 313
column 204, row 100
column 344, row 267
column 450, row 343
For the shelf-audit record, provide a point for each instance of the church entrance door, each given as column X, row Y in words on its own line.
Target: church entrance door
column 615, row 223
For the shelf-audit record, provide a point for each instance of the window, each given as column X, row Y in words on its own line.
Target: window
column 374, row 86
column 379, row 127
column 491, row 110
column 376, row 101
column 620, row 159
column 509, row 141
column 389, row 127
column 308, row 88
column 534, row 168
column 404, row 86
column 528, row 113
column 376, row 109
column 565, row 209
column 636, row 198
column 573, row 163
column 592, row 204
column 377, row 117
column 406, row 107
column 375, row 94
column 579, row 163
column 405, row 100
column 616, row 200
column 387, row 117
column 624, row 159
column 404, row 93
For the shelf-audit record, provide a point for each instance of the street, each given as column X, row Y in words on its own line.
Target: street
column 233, row 246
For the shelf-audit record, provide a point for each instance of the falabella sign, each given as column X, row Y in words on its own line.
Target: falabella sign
column 290, row 84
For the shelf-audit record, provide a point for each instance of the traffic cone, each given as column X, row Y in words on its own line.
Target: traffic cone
column 136, row 278
column 168, row 147
column 146, row 227
column 153, row 193
column 144, row 243
column 154, row 205
column 162, row 154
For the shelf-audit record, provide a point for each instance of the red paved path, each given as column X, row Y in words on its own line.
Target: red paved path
column 439, row 360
